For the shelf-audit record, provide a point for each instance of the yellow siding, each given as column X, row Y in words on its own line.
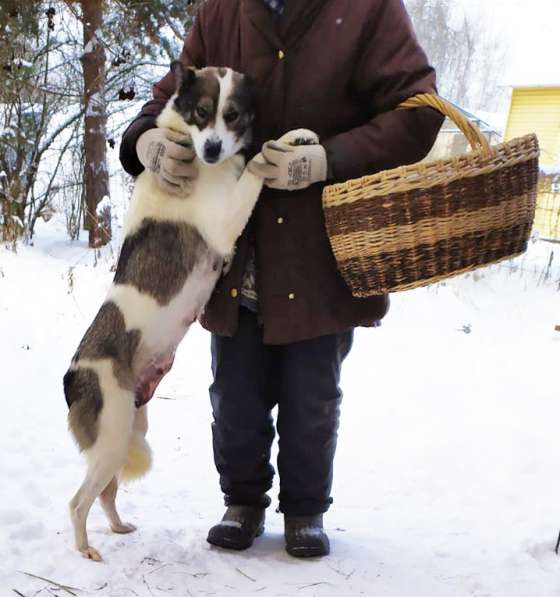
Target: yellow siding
column 537, row 110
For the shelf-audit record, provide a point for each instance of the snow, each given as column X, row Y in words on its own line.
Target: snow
column 231, row 523
column 309, row 532
column 445, row 477
column 104, row 204
column 17, row 220
column 8, row 131
column 91, row 44
column 96, row 105
column 552, row 170
column 496, row 120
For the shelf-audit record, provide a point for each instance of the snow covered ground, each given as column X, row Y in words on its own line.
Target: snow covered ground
column 446, row 471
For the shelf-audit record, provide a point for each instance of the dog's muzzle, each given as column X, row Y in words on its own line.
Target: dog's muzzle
column 212, row 151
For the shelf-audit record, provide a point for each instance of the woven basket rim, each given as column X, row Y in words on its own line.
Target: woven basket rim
column 465, row 165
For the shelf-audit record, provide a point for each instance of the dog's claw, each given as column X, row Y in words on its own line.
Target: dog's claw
column 92, row 554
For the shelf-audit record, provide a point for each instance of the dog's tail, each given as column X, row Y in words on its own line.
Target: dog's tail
column 139, row 458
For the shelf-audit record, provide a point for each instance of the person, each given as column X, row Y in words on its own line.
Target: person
column 282, row 318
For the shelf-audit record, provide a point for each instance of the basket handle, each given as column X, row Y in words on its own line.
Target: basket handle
column 476, row 139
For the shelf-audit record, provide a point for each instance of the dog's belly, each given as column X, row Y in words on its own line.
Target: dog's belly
column 150, row 377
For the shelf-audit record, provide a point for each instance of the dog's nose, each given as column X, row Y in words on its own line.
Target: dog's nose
column 212, row 150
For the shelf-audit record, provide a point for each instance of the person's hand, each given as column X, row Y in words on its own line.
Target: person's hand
column 170, row 156
column 290, row 167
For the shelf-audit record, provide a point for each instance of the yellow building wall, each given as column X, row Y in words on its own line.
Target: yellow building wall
column 538, row 110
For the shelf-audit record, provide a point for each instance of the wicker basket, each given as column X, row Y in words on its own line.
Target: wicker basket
column 418, row 224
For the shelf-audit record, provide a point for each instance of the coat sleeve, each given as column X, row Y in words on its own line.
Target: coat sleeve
column 193, row 54
column 392, row 68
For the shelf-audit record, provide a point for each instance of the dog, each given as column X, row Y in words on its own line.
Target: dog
column 172, row 256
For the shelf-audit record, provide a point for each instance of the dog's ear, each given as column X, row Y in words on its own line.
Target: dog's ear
column 185, row 76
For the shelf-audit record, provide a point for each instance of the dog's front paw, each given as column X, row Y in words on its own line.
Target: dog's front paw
column 300, row 137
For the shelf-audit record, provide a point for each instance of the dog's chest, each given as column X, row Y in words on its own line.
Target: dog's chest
column 202, row 209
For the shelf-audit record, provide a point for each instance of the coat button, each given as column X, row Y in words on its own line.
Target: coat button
column 291, row 296
column 234, row 293
column 280, row 220
column 281, row 55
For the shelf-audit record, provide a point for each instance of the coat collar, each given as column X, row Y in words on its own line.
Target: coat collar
column 298, row 17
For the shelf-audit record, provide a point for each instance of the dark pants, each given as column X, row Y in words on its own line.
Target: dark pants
column 250, row 378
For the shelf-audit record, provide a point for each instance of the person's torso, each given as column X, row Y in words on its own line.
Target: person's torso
column 302, row 63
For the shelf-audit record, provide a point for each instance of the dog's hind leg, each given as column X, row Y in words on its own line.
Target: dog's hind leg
column 136, row 450
column 97, row 479
column 109, row 494
column 107, row 499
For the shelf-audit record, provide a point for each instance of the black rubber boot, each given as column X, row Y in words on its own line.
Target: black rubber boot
column 238, row 528
column 305, row 537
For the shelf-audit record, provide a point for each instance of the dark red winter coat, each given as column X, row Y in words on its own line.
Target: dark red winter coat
column 338, row 67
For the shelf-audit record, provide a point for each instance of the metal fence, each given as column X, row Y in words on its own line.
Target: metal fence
column 547, row 217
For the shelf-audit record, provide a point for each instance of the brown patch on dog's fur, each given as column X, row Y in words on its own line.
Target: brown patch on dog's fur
column 84, row 398
column 172, row 250
column 242, row 101
column 201, row 89
column 107, row 338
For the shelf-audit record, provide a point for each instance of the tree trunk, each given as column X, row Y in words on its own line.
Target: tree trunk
column 96, row 175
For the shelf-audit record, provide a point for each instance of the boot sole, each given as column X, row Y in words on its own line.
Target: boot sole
column 234, row 544
column 307, row 552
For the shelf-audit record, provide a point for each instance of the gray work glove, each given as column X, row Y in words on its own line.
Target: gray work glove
column 170, row 157
column 291, row 167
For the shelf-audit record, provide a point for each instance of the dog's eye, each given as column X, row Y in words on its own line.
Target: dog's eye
column 201, row 112
column 231, row 116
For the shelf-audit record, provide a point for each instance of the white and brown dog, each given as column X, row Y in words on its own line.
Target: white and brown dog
column 170, row 261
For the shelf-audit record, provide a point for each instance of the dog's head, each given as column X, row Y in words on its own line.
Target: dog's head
column 218, row 106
